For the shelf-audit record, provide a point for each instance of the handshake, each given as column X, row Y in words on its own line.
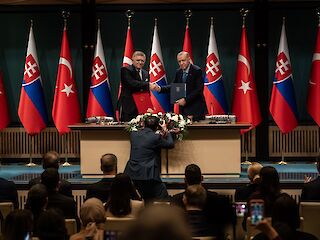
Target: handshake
column 154, row 87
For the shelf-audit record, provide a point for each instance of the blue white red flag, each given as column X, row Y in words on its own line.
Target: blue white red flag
column 157, row 72
column 99, row 102
column 213, row 82
column 32, row 108
column 283, row 105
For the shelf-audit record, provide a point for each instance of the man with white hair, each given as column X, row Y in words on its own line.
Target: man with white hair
column 193, row 104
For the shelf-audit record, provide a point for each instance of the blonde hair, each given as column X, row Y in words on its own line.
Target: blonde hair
column 92, row 211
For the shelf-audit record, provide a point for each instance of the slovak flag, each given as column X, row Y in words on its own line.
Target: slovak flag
column 4, row 111
column 66, row 107
column 99, row 102
column 283, row 105
column 32, row 108
column 313, row 102
column 245, row 100
column 127, row 61
column 213, row 82
column 160, row 102
column 187, row 46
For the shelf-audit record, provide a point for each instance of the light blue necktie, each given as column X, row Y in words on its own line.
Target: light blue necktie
column 184, row 76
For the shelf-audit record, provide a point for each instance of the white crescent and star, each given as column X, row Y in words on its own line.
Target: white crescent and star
column 245, row 86
column 245, row 62
column 67, row 89
column 316, row 57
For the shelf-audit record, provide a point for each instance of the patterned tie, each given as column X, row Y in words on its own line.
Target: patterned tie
column 184, row 76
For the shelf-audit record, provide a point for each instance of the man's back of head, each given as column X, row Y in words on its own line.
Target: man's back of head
column 195, row 197
column 50, row 178
column 51, row 160
column 152, row 122
column 254, row 171
column 108, row 163
column 193, row 174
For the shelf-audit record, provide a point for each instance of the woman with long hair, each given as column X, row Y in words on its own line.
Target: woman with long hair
column 120, row 203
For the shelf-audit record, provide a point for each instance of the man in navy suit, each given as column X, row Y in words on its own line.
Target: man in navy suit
column 145, row 159
column 311, row 190
column 133, row 79
column 193, row 105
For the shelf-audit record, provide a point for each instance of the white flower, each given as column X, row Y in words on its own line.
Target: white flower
column 188, row 121
column 175, row 118
column 134, row 129
column 181, row 117
column 182, row 123
column 160, row 113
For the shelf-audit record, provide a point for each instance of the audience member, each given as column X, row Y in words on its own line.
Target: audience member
column 244, row 192
column 268, row 191
column 8, row 192
column 311, row 190
column 92, row 216
column 159, row 222
column 50, row 178
column 194, row 200
column 101, row 189
column 37, row 202
column 51, row 160
column 269, row 188
column 120, row 203
column 145, row 159
column 18, row 225
column 285, row 221
column 217, row 208
column 51, row 226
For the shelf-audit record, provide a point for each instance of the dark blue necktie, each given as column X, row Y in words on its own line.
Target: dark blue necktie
column 184, row 76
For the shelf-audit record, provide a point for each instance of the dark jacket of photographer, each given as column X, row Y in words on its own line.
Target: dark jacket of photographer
column 145, row 154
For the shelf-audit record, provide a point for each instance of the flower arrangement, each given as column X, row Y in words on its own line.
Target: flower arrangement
column 175, row 123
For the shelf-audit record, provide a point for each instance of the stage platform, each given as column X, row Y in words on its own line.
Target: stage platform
column 291, row 175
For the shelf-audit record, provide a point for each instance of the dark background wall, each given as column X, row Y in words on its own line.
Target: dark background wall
column 48, row 25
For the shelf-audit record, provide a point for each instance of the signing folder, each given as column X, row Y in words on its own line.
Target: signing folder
column 177, row 91
column 142, row 101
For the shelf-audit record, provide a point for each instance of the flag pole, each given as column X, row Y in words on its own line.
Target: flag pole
column 188, row 14
column 244, row 13
column 31, row 139
column 318, row 156
column 66, row 151
column 282, row 162
column 0, row 148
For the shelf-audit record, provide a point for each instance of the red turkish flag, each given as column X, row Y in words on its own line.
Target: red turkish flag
column 187, row 46
column 66, row 107
column 245, row 100
column 128, row 52
column 313, row 103
column 4, row 111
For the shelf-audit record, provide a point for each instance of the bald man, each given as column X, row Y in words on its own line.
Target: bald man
column 193, row 105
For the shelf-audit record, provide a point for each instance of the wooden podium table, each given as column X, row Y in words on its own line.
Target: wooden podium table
column 216, row 148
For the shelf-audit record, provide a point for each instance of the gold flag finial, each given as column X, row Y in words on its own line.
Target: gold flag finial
column 318, row 15
column 244, row 13
column 188, row 14
column 129, row 14
column 65, row 15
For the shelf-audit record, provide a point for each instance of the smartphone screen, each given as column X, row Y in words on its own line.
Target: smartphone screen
column 256, row 211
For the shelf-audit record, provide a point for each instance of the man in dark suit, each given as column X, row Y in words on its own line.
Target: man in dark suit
column 101, row 189
column 217, row 208
column 145, row 159
column 193, row 105
column 244, row 192
column 134, row 79
column 51, row 160
column 311, row 190
column 8, row 192
column 66, row 205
